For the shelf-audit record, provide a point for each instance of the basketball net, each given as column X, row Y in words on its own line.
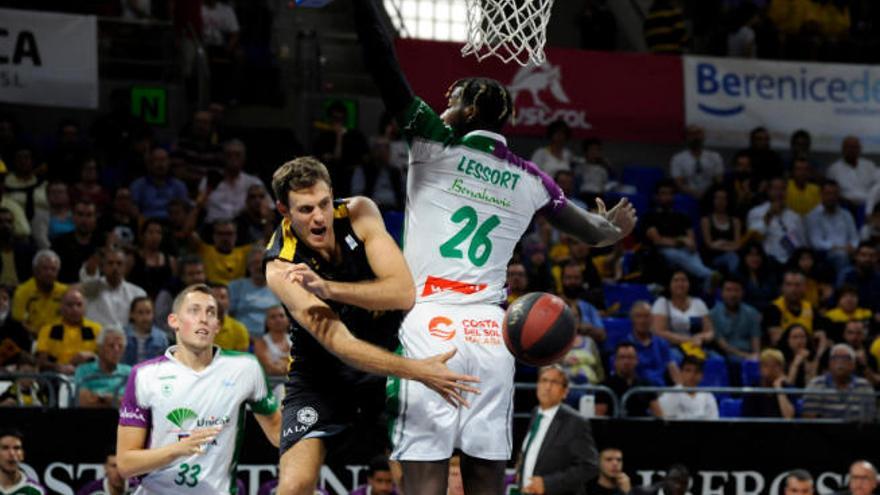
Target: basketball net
column 512, row 30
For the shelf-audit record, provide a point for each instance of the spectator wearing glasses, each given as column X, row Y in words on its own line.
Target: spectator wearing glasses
column 862, row 479
column 558, row 454
column 841, row 378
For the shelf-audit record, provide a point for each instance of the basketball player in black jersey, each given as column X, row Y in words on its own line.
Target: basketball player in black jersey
column 340, row 276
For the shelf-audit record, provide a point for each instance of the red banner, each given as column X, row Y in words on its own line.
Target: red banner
column 613, row 96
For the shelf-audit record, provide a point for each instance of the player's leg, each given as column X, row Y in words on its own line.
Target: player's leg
column 423, row 425
column 485, row 427
column 300, row 467
column 427, row 477
column 481, row 475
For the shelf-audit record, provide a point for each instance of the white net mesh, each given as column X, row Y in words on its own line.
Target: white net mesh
column 512, row 30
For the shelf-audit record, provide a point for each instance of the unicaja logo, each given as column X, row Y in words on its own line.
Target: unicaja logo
column 180, row 416
column 441, row 327
column 537, row 81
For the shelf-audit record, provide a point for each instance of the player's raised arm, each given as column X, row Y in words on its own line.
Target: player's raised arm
column 393, row 286
column 324, row 324
column 602, row 228
column 380, row 57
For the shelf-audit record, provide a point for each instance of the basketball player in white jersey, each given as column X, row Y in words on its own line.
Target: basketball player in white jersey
column 469, row 201
column 182, row 415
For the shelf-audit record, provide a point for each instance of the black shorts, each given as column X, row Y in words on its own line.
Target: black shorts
column 347, row 415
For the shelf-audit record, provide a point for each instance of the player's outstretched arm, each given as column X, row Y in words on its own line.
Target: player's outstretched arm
column 393, row 286
column 603, row 228
column 324, row 324
column 271, row 426
column 380, row 57
column 134, row 460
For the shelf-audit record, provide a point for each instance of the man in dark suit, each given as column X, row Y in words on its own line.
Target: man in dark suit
column 558, row 455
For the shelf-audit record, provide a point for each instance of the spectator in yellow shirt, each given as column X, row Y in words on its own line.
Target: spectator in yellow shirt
column 36, row 301
column 847, row 310
column 223, row 261
column 790, row 16
column 70, row 340
column 801, row 195
column 233, row 334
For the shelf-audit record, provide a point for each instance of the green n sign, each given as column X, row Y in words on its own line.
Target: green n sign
column 150, row 103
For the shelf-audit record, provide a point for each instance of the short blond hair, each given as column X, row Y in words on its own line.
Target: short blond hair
column 773, row 355
column 178, row 301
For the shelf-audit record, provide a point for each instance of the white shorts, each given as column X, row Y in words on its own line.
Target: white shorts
column 427, row 428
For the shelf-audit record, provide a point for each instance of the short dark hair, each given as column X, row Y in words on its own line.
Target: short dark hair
column 693, row 361
column 378, row 463
column 586, row 143
column 564, row 171
column 866, row 244
column 847, row 289
column 755, row 131
column 733, row 279
column 138, row 300
column 190, row 259
column 490, row 97
column 12, row 432
column 299, row 173
column 741, row 154
column 800, row 475
column 556, row 126
column 829, row 183
column 801, row 133
column 83, row 201
column 625, row 345
column 665, row 183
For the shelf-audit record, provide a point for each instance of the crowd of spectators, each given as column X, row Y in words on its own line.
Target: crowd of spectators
column 826, row 30
column 91, row 258
column 823, row 30
column 767, row 262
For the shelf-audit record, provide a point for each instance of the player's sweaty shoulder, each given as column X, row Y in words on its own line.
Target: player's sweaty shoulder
column 365, row 216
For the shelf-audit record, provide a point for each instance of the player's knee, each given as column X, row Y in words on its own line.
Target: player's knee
column 296, row 483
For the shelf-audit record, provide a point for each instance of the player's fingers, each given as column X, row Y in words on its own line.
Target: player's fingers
column 600, row 206
column 457, row 398
column 300, row 267
column 464, row 378
column 446, row 356
column 466, row 388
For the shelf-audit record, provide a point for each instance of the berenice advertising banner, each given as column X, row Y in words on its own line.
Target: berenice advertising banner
column 729, row 97
column 48, row 59
column 613, row 96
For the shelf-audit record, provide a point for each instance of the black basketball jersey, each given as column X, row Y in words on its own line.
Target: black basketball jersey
column 377, row 327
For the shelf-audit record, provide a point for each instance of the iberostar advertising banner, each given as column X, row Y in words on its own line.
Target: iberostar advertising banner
column 48, row 59
column 615, row 96
column 729, row 97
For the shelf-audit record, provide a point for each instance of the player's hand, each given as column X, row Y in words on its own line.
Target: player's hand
column 197, row 440
column 623, row 215
column 535, row 486
column 302, row 274
column 623, row 482
column 449, row 384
